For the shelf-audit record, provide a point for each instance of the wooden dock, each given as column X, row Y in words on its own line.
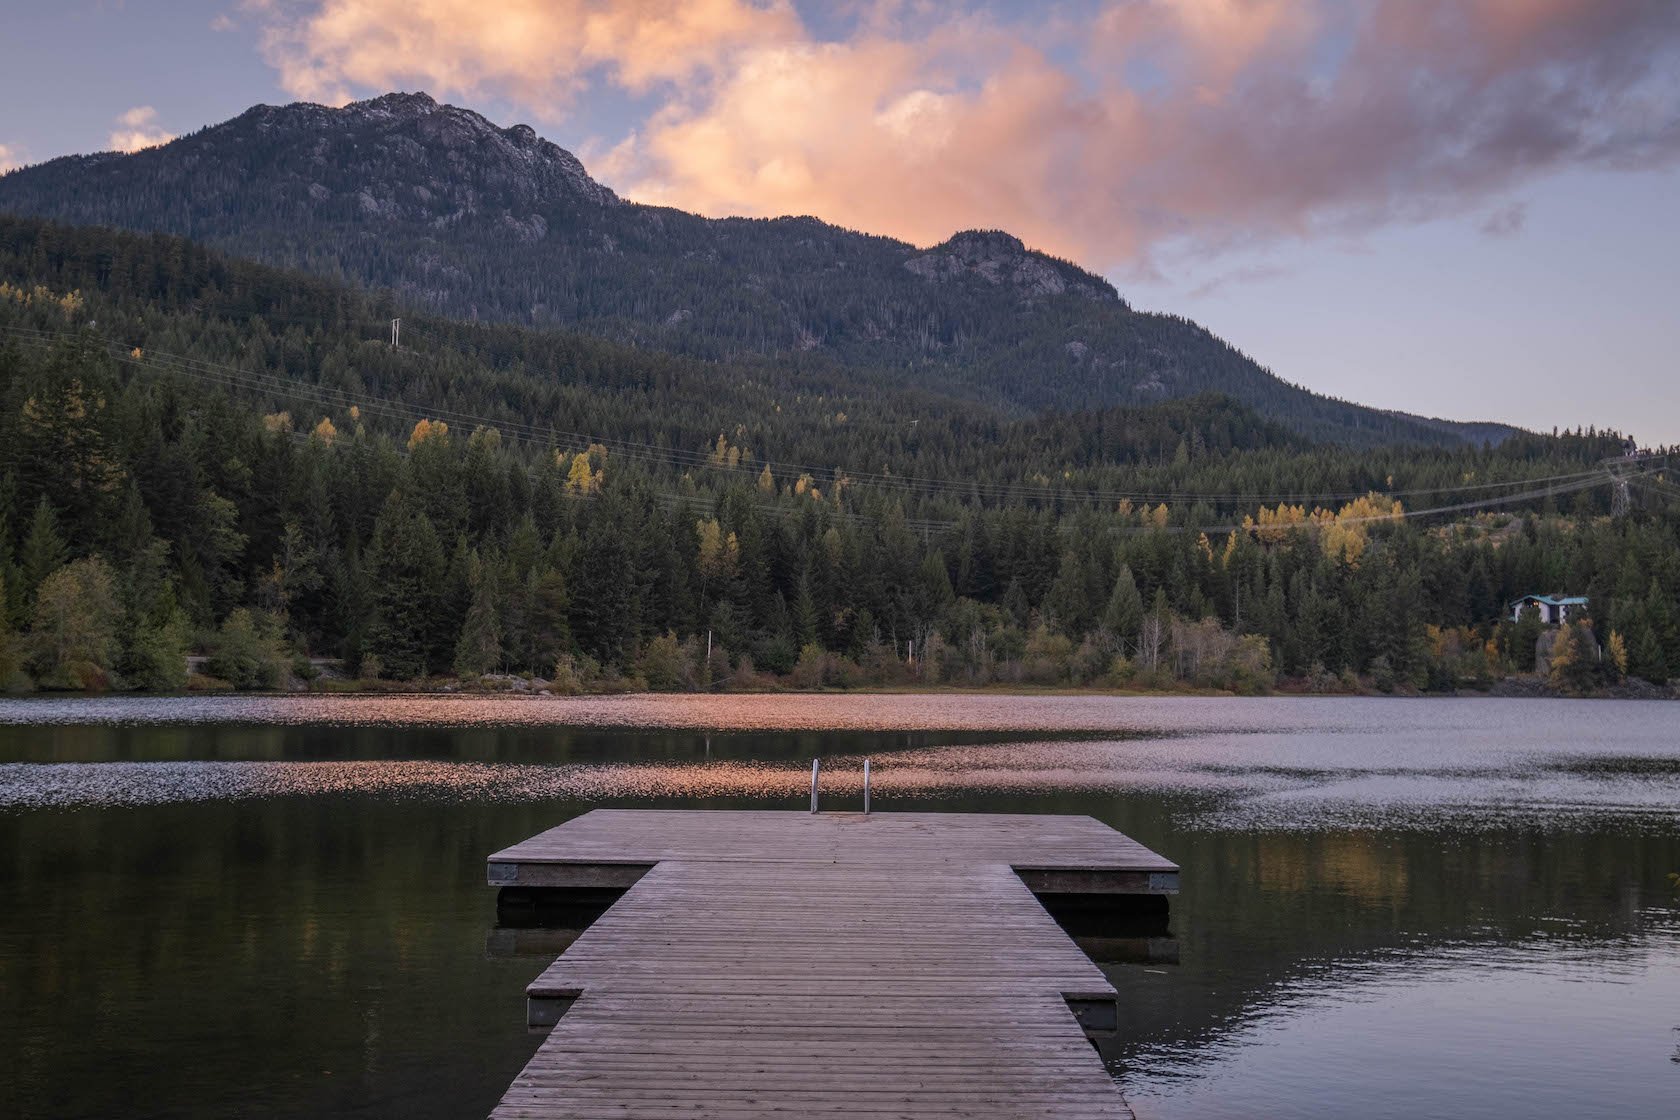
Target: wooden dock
column 894, row 965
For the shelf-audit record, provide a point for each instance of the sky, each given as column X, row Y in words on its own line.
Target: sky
column 1464, row 208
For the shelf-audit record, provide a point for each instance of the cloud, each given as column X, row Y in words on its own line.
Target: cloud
column 11, row 158
column 1111, row 136
column 539, row 53
column 1248, row 274
column 1507, row 221
column 137, row 129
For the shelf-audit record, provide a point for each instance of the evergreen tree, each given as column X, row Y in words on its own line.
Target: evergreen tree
column 44, row 549
column 804, row 613
column 406, row 566
column 479, row 649
column 1124, row 613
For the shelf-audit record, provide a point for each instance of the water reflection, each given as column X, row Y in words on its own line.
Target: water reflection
column 1466, row 1030
column 1461, row 909
column 1442, row 773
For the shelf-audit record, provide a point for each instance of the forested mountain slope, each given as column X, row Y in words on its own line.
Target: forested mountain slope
column 937, row 453
column 205, row 453
column 473, row 221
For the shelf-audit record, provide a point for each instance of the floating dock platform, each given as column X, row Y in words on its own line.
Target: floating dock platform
column 761, row 962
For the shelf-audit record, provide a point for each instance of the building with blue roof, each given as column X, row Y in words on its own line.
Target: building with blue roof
column 1554, row 609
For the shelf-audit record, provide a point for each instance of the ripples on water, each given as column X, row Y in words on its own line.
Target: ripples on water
column 1391, row 908
column 1473, row 1030
column 1257, row 764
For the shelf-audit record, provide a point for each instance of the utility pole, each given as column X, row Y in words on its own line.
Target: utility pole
column 396, row 332
column 1620, row 503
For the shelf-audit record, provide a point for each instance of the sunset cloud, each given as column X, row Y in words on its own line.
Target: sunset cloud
column 539, row 53
column 1105, row 134
column 10, row 158
column 137, row 129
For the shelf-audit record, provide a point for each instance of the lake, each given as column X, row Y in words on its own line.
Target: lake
column 276, row 905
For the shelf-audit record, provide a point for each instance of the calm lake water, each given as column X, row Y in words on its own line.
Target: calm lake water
column 1391, row 908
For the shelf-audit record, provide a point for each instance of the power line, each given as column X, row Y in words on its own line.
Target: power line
column 665, row 455
column 1054, row 492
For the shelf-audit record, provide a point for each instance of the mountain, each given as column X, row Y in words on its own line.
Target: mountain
column 468, row 220
column 204, row 451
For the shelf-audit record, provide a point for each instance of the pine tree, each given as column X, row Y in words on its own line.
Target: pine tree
column 1068, row 604
column 1648, row 659
column 44, row 550
column 602, row 604
column 11, row 660
column 479, row 648
column 933, row 594
column 548, row 632
column 1124, row 612
column 406, row 566
column 804, row 615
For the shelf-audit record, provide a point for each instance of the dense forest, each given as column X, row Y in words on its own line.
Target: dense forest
column 205, row 456
column 471, row 221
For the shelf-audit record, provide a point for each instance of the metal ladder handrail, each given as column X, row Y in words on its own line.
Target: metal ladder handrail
column 816, row 773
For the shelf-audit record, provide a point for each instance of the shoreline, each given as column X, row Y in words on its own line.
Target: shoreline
column 1513, row 688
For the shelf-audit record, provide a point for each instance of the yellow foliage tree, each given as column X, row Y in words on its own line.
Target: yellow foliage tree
column 766, row 481
column 278, row 422
column 1617, row 648
column 718, row 553
column 325, row 431
column 425, row 430
column 1274, row 524
column 1564, row 655
column 1343, row 533
column 582, row 479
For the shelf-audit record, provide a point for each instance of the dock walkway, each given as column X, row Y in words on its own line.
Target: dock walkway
column 894, row 965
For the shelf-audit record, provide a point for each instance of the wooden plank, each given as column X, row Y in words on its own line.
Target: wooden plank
column 767, row 963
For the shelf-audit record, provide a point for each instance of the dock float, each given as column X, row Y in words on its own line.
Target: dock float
column 759, row 962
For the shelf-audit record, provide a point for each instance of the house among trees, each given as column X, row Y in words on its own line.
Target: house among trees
column 1554, row 609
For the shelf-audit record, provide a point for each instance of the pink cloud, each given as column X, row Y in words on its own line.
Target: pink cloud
column 1106, row 136
column 540, row 53
column 136, row 129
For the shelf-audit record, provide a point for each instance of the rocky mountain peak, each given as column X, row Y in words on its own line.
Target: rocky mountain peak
column 408, row 140
column 1001, row 258
column 396, row 104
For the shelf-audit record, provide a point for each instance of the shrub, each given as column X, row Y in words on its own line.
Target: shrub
column 663, row 665
column 73, row 638
column 248, row 651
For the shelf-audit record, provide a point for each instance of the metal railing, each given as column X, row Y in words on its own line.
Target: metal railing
column 816, row 775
